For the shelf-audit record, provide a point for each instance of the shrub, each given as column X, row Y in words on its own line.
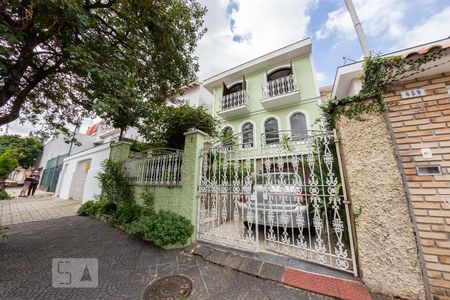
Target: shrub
column 114, row 184
column 84, row 209
column 163, row 228
column 148, row 198
column 4, row 195
column 91, row 208
column 105, row 207
column 127, row 214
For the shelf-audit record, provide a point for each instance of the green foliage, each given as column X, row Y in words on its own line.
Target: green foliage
column 28, row 148
column 148, row 198
column 105, row 207
column 8, row 162
column 163, row 228
column 114, row 184
column 85, row 208
column 127, row 214
column 168, row 128
column 61, row 61
column 5, row 196
column 91, row 208
column 379, row 73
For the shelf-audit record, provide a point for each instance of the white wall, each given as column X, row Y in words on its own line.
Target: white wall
column 91, row 188
column 57, row 146
column 197, row 96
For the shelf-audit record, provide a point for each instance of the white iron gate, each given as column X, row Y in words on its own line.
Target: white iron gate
column 284, row 197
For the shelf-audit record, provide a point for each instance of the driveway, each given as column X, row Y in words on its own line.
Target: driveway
column 126, row 265
column 41, row 206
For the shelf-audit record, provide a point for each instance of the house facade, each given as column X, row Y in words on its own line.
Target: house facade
column 268, row 97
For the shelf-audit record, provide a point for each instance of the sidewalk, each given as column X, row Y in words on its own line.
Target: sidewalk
column 41, row 206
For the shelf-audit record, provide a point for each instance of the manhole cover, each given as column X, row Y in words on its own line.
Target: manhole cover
column 171, row 287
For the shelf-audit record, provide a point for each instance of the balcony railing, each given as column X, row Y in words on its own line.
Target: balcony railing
column 278, row 87
column 233, row 100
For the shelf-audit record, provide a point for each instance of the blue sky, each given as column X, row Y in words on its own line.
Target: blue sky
column 239, row 30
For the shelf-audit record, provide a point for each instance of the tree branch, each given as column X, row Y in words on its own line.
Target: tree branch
column 22, row 96
column 88, row 5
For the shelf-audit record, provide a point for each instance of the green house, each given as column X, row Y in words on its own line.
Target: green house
column 268, row 98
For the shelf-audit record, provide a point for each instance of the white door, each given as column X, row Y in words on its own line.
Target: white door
column 79, row 179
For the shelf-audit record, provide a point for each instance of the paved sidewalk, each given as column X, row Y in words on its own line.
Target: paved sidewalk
column 41, row 206
column 126, row 265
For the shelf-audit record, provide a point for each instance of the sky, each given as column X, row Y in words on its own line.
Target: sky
column 241, row 30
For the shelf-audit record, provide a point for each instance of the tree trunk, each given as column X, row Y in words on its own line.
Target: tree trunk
column 121, row 134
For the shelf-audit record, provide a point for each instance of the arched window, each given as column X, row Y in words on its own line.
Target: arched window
column 247, row 134
column 271, row 131
column 227, row 134
column 280, row 73
column 280, row 82
column 298, row 126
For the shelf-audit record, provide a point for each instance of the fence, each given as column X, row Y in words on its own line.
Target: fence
column 156, row 167
column 51, row 172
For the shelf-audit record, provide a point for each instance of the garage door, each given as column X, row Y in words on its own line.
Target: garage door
column 79, row 179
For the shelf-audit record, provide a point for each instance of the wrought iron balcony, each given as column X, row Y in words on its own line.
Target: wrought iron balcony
column 234, row 104
column 234, row 100
column 284, row 90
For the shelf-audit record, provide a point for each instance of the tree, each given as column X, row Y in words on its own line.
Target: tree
column 62, row 60
column 28, row 148
column 8, row 162
column 168, row 128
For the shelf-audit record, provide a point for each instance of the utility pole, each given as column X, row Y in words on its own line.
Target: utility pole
column 357, row 24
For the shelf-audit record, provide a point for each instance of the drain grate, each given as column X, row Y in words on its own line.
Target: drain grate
column 171, row 287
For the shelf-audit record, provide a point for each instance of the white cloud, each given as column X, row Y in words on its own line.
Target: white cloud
column 266, row 24
column 377, row 17
column 320, row 78
column 386, row 20
column 435, row 27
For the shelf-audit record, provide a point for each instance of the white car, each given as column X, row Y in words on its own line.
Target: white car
column 277, row 187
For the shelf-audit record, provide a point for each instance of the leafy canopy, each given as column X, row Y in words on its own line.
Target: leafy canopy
column 28, row 148
column 63, row 60
column 168, row 128
column 8, row 162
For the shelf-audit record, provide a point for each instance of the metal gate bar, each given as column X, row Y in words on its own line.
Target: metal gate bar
column 291, row 187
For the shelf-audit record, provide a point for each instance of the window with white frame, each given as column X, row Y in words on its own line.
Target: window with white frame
column 298, row 126
column 271, row 131
column 247, row 135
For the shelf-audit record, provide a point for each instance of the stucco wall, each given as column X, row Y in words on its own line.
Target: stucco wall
column 387, row 249
column 181, row 200
column 91, row 187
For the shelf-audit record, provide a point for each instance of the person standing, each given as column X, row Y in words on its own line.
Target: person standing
column 34, row 184
column 26, row 184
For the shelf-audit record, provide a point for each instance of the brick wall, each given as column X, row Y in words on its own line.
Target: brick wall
column 424, row 122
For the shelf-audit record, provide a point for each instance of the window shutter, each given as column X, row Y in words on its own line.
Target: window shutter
column 244, row 83
column 291, row 71
column 224, row 89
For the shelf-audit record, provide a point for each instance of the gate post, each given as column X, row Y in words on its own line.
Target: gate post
column 190, row 176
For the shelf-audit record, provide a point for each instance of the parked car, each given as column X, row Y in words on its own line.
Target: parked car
column 259, row 200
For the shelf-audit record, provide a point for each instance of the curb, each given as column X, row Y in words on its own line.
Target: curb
column 317, row 283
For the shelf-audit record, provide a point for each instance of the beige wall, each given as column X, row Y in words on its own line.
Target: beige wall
column 387, row 251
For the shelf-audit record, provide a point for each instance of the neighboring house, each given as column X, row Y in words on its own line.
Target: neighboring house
column 78, row 178
column 274, row 94
column 418, row 120
column 55, row 150
column 104, row 133
column 195, row 94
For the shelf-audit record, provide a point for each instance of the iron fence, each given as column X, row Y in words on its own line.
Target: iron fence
column 156, row 167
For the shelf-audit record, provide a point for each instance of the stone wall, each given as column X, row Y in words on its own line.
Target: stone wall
column 423, row 123
column 387, row 249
